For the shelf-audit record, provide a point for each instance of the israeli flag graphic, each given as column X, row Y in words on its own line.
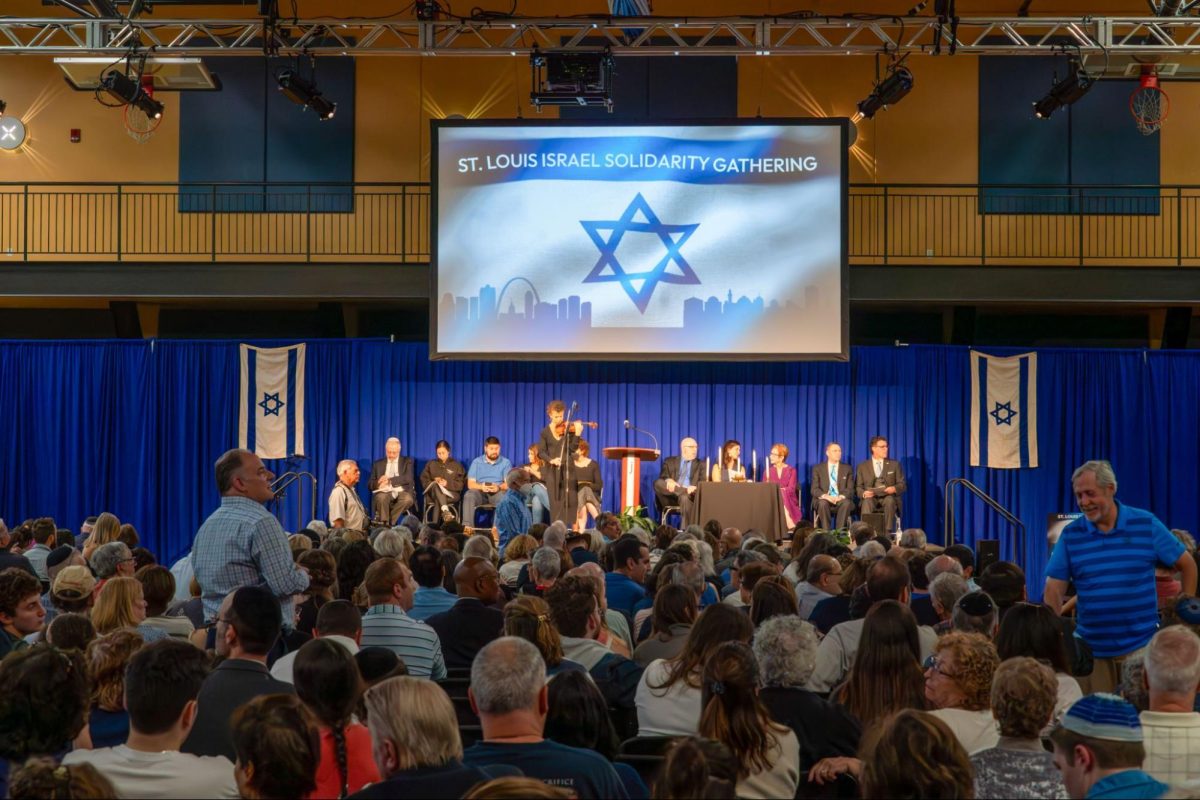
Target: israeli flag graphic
column 1004, row 411
column 271, row 408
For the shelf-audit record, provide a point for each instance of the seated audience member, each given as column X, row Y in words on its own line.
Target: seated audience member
column 1171, row 727
column 44, row 531
column 512, row 517
column 508, row 691
column 352, row 564
column 675, row 608
column 322, row 585
column 913, row 539
column 835, row 610
column 248, row 623
column 517, row 789
column 473, row 621
column 298, row 543
column 887, row 579
column 71, row 632
column 820, row 581
column 543, row 570
column 786, row 651
column 120, row 604
column 1023, row 692
column 614, row 626
column 21, row 610
column 108, row 656
column 393, row 543
column 773, row 596
column 479, row 545
column 886, row 676
column 107, row 529
column 9, row 558
column 277, row 748
column 575, row 610
column 748, row 577
column 914, row 754
column 1004, row 582
column 578, row 717
column 339, row 622
column 920, row 603
column 695, row 767
column 631, row 560
column 329, row 685
column 768, row 754
column 958, row 685
column 528, row 617
column 1099, row 751
column 162, row 683
column 944, row 593
column 158, row 587
column 390, row 589
column 516, row 556
column 579, row 545
column 669, row 694
column 114, row 559
column 1032, row 631
column 417, row 747
column 42, row 778
column 974, row 613
column 966, row 558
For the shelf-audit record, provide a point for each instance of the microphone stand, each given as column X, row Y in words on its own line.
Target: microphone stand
column 564, row 482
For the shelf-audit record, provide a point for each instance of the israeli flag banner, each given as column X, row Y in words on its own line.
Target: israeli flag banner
column 271, row 408
column 1004, row 411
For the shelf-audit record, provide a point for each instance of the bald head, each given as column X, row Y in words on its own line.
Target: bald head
column 476, row 577
column 941, row 565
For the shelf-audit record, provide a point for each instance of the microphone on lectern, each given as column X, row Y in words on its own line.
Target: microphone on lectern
column 631, row 427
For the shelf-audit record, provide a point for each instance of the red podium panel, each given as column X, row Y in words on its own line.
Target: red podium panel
column 631, row 459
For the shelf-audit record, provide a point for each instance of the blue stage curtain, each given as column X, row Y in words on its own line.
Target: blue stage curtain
column 134, row 427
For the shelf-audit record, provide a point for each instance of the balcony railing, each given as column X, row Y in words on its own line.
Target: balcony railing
column 951, row 224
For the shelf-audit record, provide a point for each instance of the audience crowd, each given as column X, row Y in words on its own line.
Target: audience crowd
column 422, row 660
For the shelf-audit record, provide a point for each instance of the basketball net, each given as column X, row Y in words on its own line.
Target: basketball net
column 1148, row 103
column 138, row 124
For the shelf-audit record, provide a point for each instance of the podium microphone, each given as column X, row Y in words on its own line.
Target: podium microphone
column 629, row 426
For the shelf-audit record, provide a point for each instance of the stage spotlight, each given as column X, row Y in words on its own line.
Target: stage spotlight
column 305, row 93
column 889, row 91
column 1065, row 92
column 572, row 79
column 130, row 92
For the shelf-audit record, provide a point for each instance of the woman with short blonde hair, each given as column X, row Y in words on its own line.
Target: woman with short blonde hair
column 958, row 684
column 121, row 604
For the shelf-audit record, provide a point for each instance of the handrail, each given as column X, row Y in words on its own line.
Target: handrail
column 281, row 483
column 987, row 499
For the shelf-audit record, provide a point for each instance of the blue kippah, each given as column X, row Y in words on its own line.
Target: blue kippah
column 1103, row 716
column 1188, row 609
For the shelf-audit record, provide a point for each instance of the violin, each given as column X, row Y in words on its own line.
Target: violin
column 561, row 428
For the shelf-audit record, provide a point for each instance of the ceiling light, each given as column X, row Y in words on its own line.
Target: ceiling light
column 129, row 92
column 305, row 93
column 1065, row 92
column 889, row 91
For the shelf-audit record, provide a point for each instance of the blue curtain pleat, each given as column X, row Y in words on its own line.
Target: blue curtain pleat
column 135, row 427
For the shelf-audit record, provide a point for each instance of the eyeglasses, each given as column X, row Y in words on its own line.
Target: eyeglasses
column 935, row 664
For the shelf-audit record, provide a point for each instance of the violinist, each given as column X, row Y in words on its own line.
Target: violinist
column 556, row 447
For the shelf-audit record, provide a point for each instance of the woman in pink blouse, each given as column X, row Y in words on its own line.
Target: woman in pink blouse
column 779, row 472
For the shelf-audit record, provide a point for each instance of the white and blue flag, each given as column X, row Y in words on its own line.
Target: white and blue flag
column 271, row 407
column 1004, row 411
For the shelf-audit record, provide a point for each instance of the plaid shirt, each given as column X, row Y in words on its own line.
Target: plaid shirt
column 242, row 544
column 512, row 517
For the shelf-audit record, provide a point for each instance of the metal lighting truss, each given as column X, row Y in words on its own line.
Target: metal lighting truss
column 683, row 36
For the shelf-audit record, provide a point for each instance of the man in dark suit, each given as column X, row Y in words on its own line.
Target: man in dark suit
column 248, row 624
column 678, row 479
column 393, row 490
column 832, row 489
column 880, row 483
column 473, row 621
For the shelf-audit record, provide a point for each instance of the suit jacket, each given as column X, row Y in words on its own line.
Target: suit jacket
column 232, row 684
column 464, row 629
column 845, row 480
column 893, row 475
column 670, row 469
column 404, row 468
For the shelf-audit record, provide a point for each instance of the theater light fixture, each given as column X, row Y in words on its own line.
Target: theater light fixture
column 130, row 92
column 889, row 91
column 305, row 93
column 571, row 79
column 1065, row 92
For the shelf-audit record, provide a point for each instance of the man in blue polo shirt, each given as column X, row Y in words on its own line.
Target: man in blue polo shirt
column 623, row 585
column 1110, row 555
column 485, row 479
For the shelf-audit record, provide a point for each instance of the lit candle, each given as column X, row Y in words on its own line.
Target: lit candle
column 707, row 468
column 754, row 473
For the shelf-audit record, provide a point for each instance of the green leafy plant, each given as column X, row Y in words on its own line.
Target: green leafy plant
column 635, row 516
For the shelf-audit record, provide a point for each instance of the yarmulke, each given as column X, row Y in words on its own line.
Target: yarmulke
column 977, row 604
column 375, row 662
column 58, row 555
column 1103, row 716
column 1188, row 609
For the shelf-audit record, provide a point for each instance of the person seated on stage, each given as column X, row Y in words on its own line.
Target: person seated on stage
column 535, row 490
column 442, row 480
column 393, row 490
column 587, row 484
column 346, row 508
column 880, row 482
column 678, row 479
column 832, row 489
column 485, row 479
column 730, row 467
column 778, row 471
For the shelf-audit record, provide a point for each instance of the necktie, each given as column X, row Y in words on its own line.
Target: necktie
column 878, row 468
column 833, row 492
column 685, row 473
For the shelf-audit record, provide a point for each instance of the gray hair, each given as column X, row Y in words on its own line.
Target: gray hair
column 345, row 464
column 480, row 547
column 745, row 557
column 694, row 530
column 1133, row 685
column 689, row 574
column 706, row 558
column 1101, row 469
column 516, row 478
column 872, row 551
column 391, row 439
column 945, row 589
column 318, row 527
column 547, row 562
column 786, row 649
column 1173, row 661
column 940, row 565
column 390, row 543
column 108, row 557
column 507, row 675
column 913, row 538
column 556, row 535
column 963, row 622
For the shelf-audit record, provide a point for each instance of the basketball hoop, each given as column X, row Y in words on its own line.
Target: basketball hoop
column 1148, row 103
column 138, row 124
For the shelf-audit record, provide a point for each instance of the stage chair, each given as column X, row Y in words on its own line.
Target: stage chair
column 672, row 510
column 489, row 515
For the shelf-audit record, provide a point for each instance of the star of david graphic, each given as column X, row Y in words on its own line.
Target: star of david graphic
column 271, row 404
column 1003, row 414
column 640, row 285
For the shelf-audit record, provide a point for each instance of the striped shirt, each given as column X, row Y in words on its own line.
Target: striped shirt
column 416, row 643
column 1113, row 575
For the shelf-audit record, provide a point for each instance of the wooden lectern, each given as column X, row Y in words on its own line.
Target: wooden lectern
column 631, row 459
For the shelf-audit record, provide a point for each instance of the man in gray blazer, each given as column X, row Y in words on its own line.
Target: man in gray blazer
column 880, row 482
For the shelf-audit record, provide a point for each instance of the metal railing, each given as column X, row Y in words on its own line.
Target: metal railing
column 988, row 500
column 902, row 224
column 300, row 479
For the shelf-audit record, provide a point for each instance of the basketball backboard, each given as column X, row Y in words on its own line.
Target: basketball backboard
column 170, row 74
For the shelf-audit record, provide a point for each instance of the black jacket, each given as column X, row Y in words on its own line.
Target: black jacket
column 464, row 629
column 404, row 467
column 231, row 685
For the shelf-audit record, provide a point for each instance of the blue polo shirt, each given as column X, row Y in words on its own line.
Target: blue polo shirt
column 622, row 592
column 483, row 472
column 1114, row 577
column 1131, row 784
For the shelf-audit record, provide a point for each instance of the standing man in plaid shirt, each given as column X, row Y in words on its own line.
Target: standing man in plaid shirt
column 241, row 543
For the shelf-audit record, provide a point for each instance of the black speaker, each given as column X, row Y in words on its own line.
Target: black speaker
column 987, row 551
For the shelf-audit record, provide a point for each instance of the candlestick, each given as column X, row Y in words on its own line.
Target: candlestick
column 754, row 472
column 707, row 468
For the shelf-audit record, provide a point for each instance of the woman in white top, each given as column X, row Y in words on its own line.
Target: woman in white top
column 669, row 694
column 958, row 684
column 1035, row 632
column 767, row 753
column 516, row 555
column 729, row 468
